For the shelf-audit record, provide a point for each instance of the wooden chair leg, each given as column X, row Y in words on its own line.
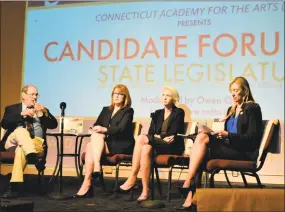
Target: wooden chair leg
column 41, row 183
column 117, row 176
column 81, row 172
column 211, row 180
column 158, row 181
column 206, row 184
column 254, row 174
column 101, row 178
column 41, row 178
column 198, row 179
column 227, row 178
column 169, row 183
column 244, row 179
column 258, row 180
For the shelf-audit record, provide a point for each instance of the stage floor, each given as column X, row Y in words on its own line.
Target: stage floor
column 102, row 201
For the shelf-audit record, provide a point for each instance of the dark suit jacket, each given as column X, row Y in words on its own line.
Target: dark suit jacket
column 175, row 126
column 12, row 118
column 249, row 129
column 120, row 138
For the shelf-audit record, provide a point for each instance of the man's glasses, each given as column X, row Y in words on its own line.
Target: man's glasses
column 33, row 94
column 119, row 94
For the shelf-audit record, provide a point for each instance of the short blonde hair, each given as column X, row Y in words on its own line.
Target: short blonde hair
column 174, row 94
column 127, row 98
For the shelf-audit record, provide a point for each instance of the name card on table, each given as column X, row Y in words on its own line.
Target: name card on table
column 73, row 125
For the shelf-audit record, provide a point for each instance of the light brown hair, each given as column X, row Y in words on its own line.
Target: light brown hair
column 246, row 92
column 127, row 98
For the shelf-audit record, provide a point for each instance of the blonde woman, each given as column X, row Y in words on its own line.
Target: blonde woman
column 112, row 134
column 239, row 141
column 168, row 122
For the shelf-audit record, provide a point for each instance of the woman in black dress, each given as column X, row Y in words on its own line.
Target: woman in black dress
column 165, row 125
column 112, row 134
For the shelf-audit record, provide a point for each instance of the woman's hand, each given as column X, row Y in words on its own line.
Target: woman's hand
column 220, row 134
column 157, row 136
column 169, row 139
column 99, row 129
column 204, row 129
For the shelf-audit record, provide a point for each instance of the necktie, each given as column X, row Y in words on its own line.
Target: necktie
column 29, row 124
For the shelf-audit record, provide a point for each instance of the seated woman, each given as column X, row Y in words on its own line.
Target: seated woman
column 165, row 125
column 112, row 134
column 239, row 141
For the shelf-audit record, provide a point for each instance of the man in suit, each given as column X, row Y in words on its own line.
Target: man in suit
column 26, row 124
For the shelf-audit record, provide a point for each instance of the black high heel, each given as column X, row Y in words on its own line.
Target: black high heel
column 97, row 175
column 184, row 191
column 100, row 177
column 122, row 191
column 88, row 193
column 139, row 201
column 192, row 208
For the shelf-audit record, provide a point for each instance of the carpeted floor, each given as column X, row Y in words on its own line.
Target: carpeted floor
column 102, row 201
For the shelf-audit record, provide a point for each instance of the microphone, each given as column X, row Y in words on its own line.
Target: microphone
column 62, row 107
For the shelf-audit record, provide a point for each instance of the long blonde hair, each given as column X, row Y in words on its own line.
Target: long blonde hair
column 247, row 95
column 127, row 98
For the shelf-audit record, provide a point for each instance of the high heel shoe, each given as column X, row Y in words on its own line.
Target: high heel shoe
column 119, row 190
column 184, row 191
column 139, row 201
column 88, row 193
column 192, row 208
column 96, row 175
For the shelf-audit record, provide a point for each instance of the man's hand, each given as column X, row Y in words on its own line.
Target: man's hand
column 28, row 112
column 169, row 139
column 40, row 107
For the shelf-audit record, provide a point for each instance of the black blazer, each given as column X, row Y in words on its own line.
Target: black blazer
column 175, row 126
column 120, row 138
column 249, row 128
column 12, row 118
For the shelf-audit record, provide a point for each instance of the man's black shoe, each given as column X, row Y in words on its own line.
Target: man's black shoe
column 14, row 191
column 37, row 159
column 31, row 158
column 40, row 165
